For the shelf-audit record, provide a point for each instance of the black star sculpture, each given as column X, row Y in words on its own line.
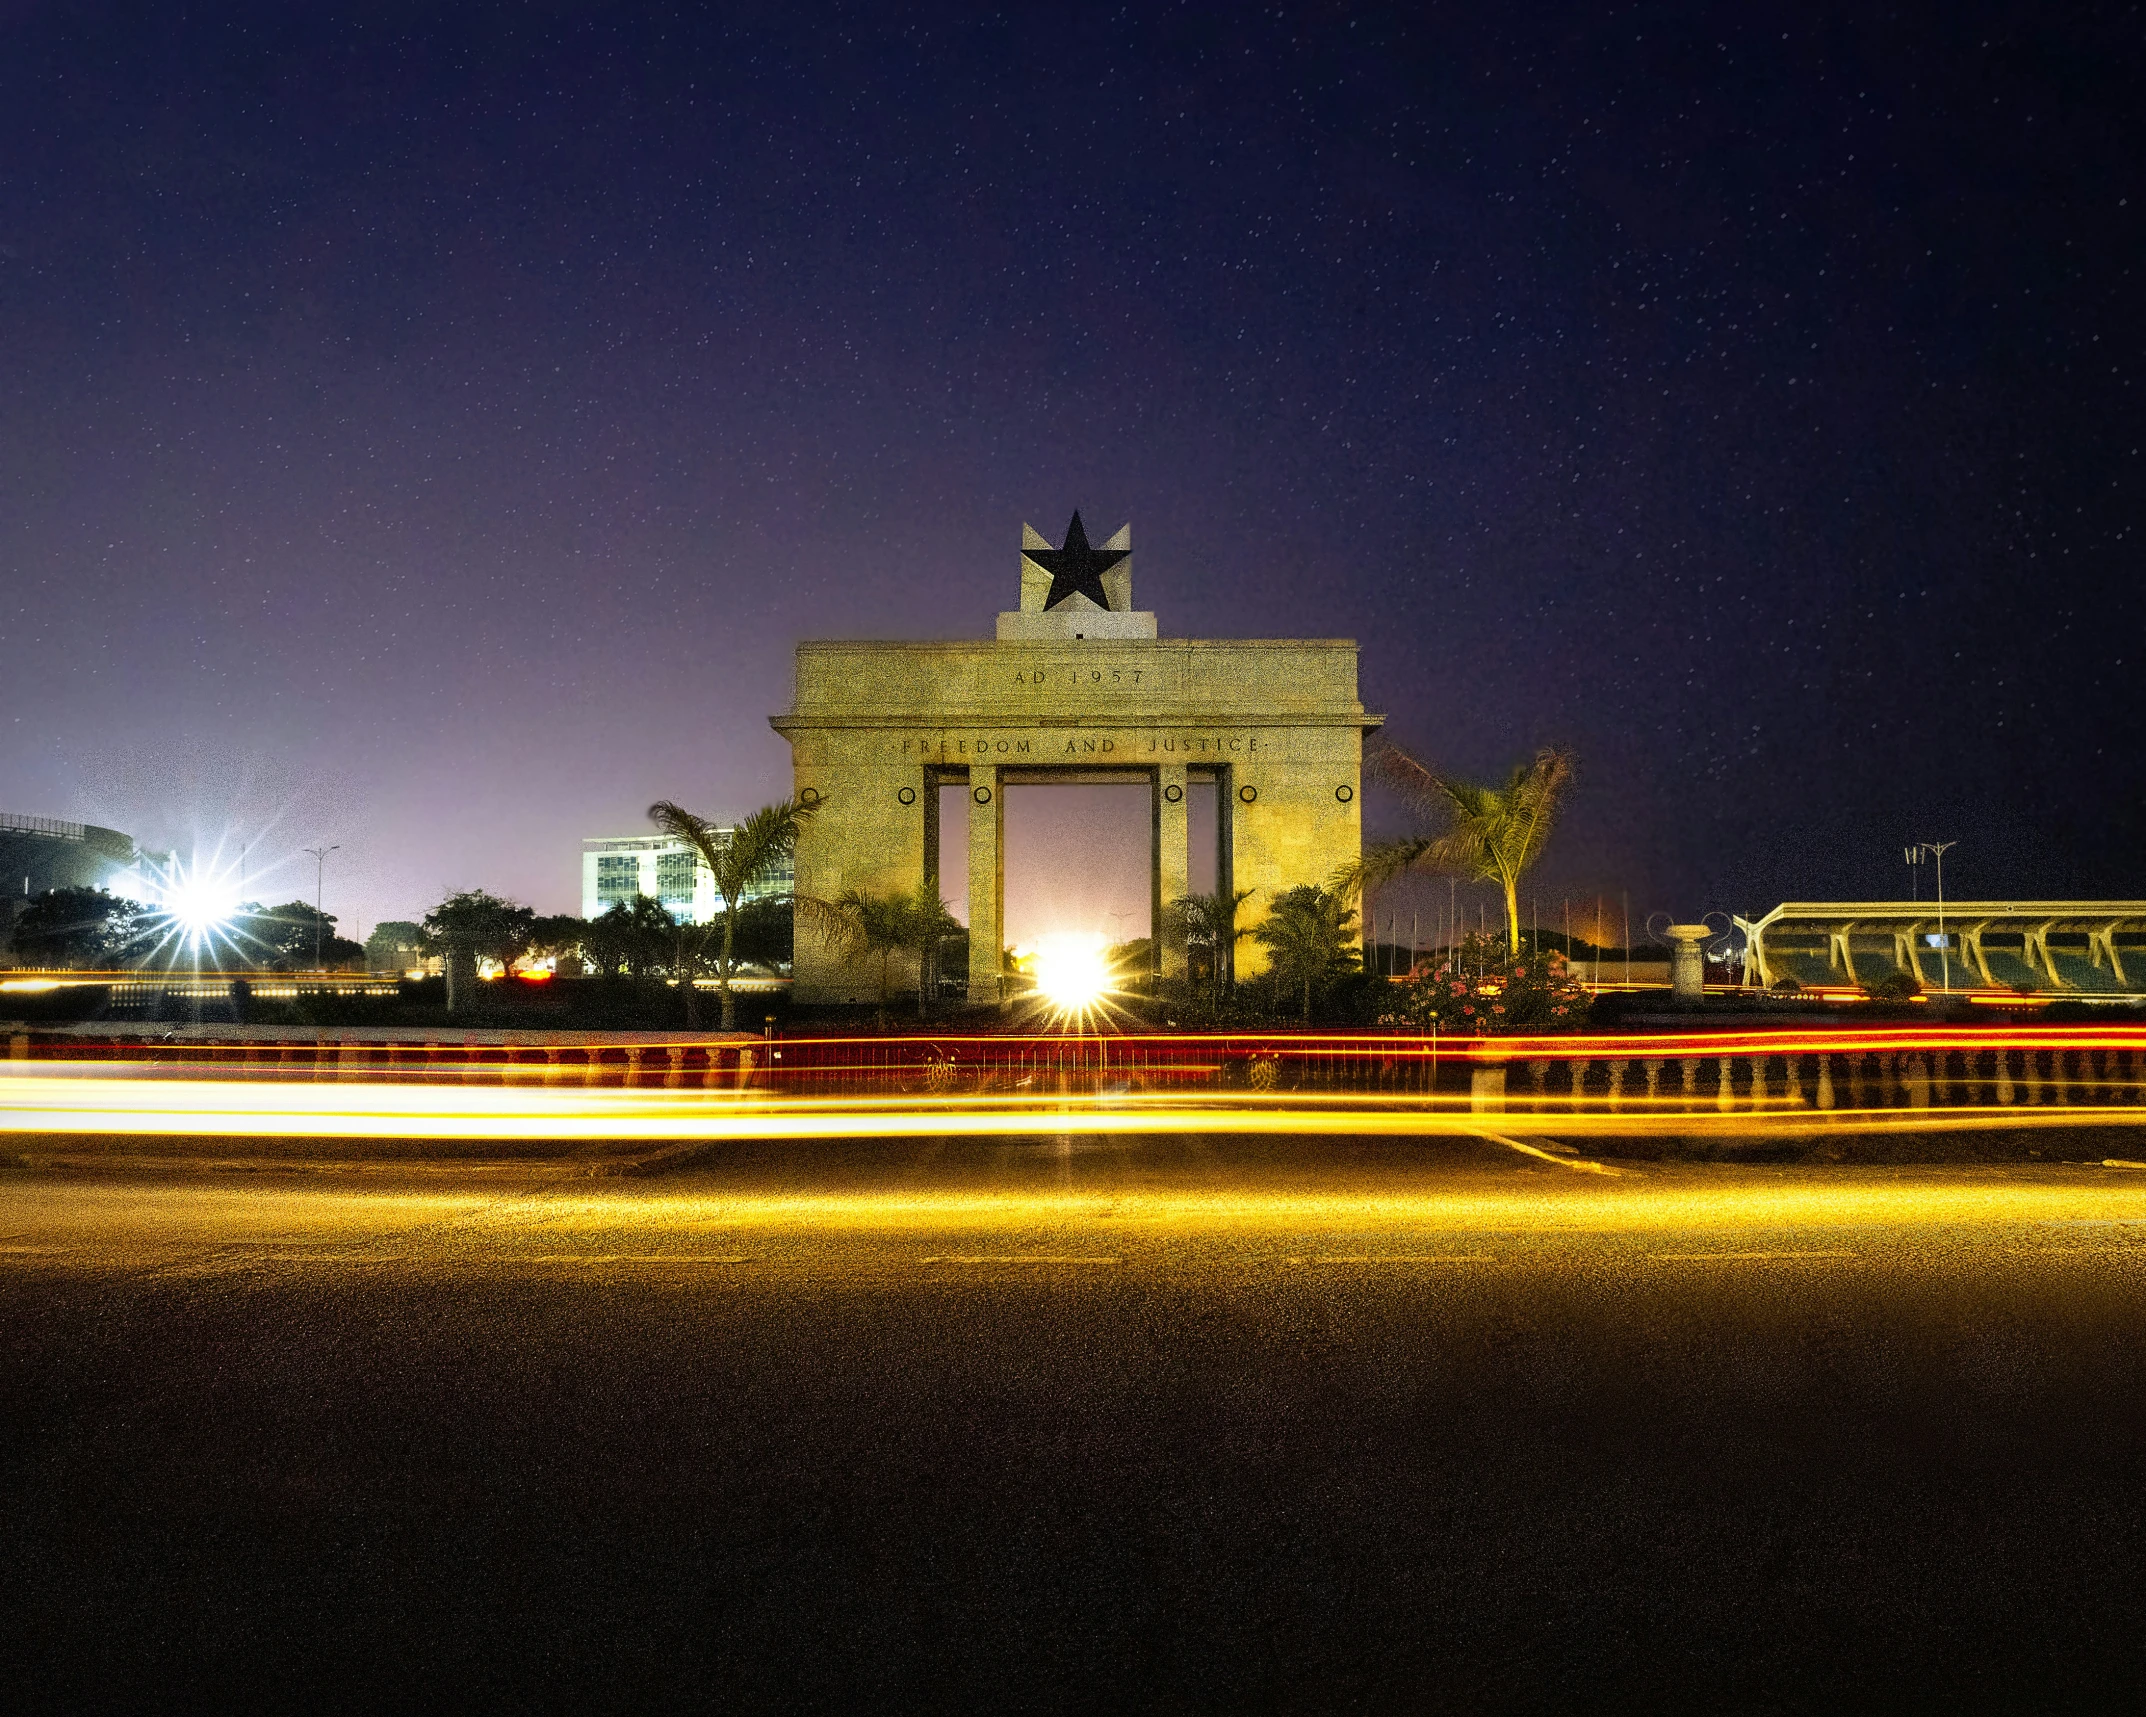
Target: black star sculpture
column 1076, row 569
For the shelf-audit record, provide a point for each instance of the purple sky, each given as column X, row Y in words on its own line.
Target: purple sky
column 430, row 433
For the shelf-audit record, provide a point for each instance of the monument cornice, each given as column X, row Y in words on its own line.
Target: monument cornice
column 1058, row 647
column 950, row 716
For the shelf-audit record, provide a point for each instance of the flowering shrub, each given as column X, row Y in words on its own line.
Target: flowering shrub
column 1483, row 989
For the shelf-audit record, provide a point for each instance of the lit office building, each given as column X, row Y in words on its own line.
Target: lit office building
column 615, row 868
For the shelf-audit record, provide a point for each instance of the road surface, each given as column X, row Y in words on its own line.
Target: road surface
column 1168, row 1424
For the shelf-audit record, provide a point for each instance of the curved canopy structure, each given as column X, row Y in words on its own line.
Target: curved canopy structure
column 2078, row 948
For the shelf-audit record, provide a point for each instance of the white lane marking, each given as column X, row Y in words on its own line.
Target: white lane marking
column 1737, row 1257
column 1396, row 1258
column 624, row 1258
column 1018, row 1258
column 1579, row 1165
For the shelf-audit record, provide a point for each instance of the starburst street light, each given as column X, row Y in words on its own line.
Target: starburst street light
column 1071, row 971
column 196, row 905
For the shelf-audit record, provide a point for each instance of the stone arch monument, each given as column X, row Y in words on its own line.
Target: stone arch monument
column 1077, row 687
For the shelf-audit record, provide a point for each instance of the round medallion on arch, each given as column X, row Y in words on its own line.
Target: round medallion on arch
column 908, row 795
column 808, row 795
column 1344, row 792
column 1173, row 792
column 1248, row 793
column 982, row 795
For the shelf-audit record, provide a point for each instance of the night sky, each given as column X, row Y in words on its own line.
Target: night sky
column 428, row 430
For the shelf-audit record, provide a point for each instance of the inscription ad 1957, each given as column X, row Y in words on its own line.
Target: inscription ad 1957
column 1047, row 748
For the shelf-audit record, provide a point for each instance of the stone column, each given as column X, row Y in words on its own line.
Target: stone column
column 987, row 881
column 1687, row 961
column 1172, row 862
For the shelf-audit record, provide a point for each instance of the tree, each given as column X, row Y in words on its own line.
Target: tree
column 740, row 860
column 874, row 932
column 1210, row 921
column 295, row 937
column 880, row 927
column 78, row 927
column 475, row 925
column 766, row 936
column 559, row 935
column 930, row 926
column 394, row 945
column 1491, row 834
column 636, row 936
column 1309, row 941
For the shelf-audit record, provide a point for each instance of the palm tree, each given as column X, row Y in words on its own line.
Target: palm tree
column 1307, row 938
column 874, row 929
column 741, row 859
column 929, row 924
column 881, row 926
column 1491, row 834
column 1210, row 921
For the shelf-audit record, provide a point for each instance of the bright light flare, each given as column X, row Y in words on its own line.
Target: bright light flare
column 202, row 903
column 1072, row 972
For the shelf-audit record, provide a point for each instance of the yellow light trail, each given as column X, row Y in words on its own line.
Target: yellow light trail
column 137, row 1101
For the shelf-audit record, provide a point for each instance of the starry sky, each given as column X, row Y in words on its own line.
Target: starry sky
column 427, row 430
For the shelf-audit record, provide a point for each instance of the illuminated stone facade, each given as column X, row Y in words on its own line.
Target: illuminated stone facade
column 1070, row 691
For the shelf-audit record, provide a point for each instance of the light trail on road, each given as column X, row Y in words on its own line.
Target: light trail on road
column 143, row 1100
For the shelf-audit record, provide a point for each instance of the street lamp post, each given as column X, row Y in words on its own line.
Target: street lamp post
column 1937, row 850
column 320, row 870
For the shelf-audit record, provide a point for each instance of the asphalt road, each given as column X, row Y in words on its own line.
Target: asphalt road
column 1172, row 1424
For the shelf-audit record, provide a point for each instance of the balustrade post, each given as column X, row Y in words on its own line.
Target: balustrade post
column 675, row 1075
column 2060, row 1076
column 1652, row 1067
column 1486, row 1088
column 1917, row 1083
column 1825, row 1082
column 1758, row 1081
column 2005, row 1093
column 1792, row 1078
column 1616, row 1083
column 1579, row 1081
column 1539, row 1078
column 1725, row 1093
column 745, row 1066
column 2030, row 1075
column 1688, row 1065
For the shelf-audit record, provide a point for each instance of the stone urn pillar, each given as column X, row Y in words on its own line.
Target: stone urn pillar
column 1687, row 964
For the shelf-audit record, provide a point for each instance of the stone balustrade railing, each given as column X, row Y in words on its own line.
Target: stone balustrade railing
column 1854, row 1080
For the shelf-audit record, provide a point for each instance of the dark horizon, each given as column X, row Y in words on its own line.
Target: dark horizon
column 431, row 433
